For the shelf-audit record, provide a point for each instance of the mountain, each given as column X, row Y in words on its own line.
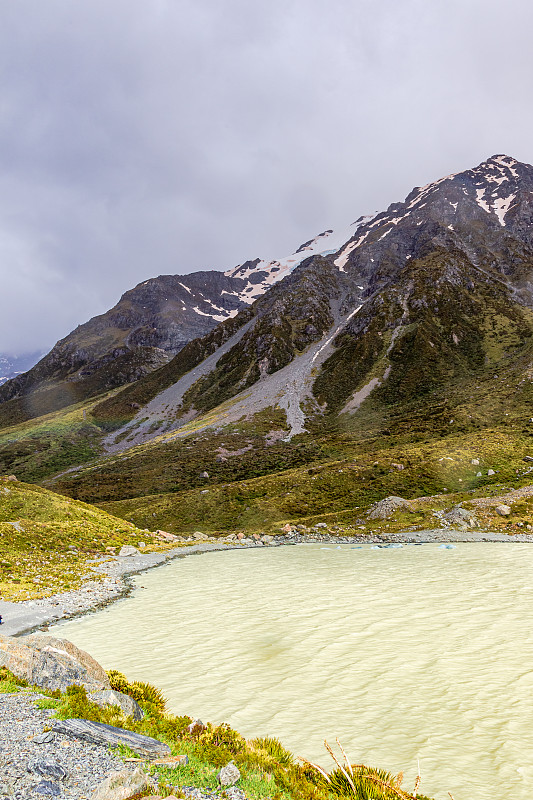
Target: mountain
column 144, row 330
column 383, row 359
column 418, row 296
column 11, row 366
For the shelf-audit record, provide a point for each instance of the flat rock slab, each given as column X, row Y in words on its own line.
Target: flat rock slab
column 98, row 733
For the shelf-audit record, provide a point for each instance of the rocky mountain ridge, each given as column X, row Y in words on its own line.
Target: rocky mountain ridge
column 399, row 303
column 149, row 325
column 421, row 295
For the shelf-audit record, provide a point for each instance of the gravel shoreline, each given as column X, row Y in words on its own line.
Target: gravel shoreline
column 30, row 615
column 24, row 761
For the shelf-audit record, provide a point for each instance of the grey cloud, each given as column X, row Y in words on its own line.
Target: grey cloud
column 145, row 138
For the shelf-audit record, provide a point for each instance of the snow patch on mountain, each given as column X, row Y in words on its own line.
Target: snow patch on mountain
column 326, row 243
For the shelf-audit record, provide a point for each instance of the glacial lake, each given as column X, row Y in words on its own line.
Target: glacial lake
column 405, row 654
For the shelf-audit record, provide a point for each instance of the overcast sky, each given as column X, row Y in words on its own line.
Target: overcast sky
column 147, row 137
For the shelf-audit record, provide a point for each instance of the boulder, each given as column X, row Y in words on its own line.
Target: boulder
column 385, row 508
column 99, row 733
column 228, row 775
column 168, row 537
column 128, row 550
column 461, row 516
column 51, row 663
column 109, row 697
column 48, row 769
column 121, row 785
column 503, row 511
column 490, row 472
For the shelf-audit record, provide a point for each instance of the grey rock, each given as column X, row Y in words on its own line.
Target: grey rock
column 503, row 510
column 44, row 738
column 98, row 733
column 385, row 508
column 228, row 775
column 234, row 793
column 461, row 516
column 128, row 550
column 491, row 472
column 48, row 769
column 109, row 697
column 51, row 663
column 121, row 785
column 48, row 788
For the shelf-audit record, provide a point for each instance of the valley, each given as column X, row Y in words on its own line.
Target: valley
column 375, row 388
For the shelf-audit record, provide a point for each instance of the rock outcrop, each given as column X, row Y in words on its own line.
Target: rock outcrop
column 51, row 663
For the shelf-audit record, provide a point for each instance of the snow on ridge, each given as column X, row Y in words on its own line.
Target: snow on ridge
column 499, row 205
column 326, row 243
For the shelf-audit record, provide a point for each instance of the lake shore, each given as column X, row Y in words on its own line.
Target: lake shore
column 111, row 575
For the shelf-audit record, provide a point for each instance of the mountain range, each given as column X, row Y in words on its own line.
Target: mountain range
column 414, row 323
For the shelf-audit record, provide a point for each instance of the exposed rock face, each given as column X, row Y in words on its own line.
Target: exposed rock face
column 147, row 327
column 51, row 663
column 401, row 303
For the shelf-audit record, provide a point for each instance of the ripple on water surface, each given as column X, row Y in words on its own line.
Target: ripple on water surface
column 415, row 652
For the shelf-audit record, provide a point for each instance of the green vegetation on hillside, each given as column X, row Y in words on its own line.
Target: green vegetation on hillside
column 46, row 539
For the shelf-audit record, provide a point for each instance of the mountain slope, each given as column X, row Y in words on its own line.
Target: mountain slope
column 423, row 294
column 415, row 334
column 150, row 324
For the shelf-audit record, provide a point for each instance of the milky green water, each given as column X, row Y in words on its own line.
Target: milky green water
column 404, row 654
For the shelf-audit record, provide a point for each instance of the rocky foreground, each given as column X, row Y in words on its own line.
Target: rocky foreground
column 44, row 757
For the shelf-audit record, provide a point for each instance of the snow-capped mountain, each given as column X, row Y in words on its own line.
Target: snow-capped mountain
column 428, row 291
column 475, row 227
column 11, row 366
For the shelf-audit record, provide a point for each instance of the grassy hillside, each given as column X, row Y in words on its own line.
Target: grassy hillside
column 338, row 491
column 46, row 539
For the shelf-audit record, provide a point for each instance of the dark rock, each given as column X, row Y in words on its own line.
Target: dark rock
column 48, row 788
column 48, row 769
column 98, row 733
